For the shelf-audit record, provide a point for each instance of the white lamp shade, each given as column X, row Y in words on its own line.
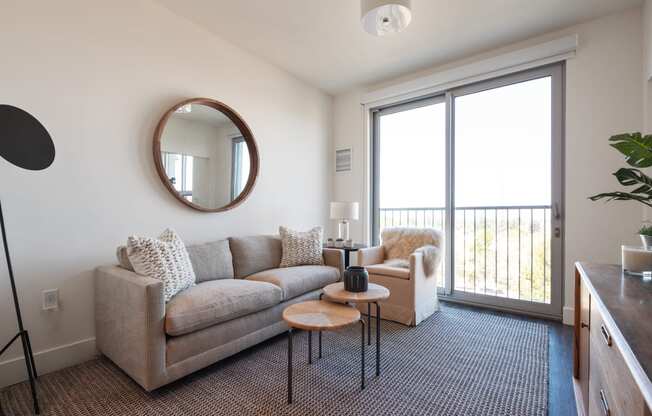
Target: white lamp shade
column 344, row 210
column 382, row 17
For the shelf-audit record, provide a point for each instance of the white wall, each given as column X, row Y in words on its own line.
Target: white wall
column 99, row 75
column 646, row 15
column 603, row 97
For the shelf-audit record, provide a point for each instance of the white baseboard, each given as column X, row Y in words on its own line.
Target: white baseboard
column 568, row 315
column 13, row 371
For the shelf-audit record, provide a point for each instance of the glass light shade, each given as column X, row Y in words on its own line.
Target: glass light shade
column 344, row 210
column 184, row 109
column 382, row 17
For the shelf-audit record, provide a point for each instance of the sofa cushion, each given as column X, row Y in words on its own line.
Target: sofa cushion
column 255, row 253
column 391, row 271
column 211, row 261
column 225, row 339
column 295, row 281
column 217, row 301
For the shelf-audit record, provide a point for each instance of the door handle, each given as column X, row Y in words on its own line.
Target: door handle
column 605, row 335
column 556, row 214
column 605, row 404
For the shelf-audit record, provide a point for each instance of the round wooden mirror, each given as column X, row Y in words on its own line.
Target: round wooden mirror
column 206, row 155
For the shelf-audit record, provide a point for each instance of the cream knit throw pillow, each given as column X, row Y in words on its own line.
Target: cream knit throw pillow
column 301, row 248
column 165, row 259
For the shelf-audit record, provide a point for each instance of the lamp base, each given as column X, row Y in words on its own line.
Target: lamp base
column 29, row 363
column 22, row 332
column 343, row 230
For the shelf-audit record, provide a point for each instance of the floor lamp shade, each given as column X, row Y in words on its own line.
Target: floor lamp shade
column 24, row 141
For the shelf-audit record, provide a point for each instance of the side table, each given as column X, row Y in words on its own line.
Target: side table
column 347, row 252
column 374, row 294
column 320, row 315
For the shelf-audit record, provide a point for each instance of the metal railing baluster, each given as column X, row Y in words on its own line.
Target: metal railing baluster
column 531, row 253
column 485, row 251
column 435, row 218
column 496, row 250
column 475, row 256
column 545, row 249
column 519, row 253
column 507, row 256
column 464, row 252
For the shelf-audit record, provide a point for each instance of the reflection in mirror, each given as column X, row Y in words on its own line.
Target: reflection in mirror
column 205, row 156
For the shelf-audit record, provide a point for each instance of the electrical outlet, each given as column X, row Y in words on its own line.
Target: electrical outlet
column 50, row 299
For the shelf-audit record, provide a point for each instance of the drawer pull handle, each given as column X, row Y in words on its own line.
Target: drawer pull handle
column 584, row 325
column 605, row 335
column 605, row 404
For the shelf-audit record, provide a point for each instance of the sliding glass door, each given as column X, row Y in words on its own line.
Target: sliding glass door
column 410, row 154
column 486, row 160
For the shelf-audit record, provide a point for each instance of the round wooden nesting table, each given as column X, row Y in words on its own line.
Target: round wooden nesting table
column 374, row 294
column 320, row 315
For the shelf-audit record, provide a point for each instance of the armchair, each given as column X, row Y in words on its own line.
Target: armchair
column 413, row 290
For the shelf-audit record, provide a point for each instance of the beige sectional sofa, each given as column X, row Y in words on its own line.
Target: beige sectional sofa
column 237, row 302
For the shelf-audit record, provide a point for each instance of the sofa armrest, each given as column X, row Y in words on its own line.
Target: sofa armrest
column 129, row 323
column 371, row 255
column 335, row 258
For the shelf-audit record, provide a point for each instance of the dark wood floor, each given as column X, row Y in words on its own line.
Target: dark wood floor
column 561, row 399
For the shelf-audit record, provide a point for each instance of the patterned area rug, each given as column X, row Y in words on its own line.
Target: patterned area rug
column 458, row 362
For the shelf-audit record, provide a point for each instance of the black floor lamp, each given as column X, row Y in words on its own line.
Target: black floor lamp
column 25, row 143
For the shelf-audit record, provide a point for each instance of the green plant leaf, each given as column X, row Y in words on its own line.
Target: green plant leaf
column 632, row 177
column 623, row 196
column 636, row 148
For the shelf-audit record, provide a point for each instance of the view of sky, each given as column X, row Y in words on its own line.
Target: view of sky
column 502, row 150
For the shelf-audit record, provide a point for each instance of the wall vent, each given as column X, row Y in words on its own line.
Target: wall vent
column 343, row 160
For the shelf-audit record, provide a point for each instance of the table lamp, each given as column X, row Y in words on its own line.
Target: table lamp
column 344, row 212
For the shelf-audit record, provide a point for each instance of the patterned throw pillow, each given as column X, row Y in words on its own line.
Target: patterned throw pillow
column 301, row 248
column 165, row 259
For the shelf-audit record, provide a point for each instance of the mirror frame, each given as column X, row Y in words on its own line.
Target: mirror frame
column 246, row 134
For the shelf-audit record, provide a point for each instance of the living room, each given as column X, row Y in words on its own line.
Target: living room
column 403, row 207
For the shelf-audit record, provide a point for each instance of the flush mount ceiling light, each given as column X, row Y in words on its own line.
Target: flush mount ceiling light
column 382, row 17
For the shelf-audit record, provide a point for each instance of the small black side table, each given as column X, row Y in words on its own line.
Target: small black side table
column 347, row 252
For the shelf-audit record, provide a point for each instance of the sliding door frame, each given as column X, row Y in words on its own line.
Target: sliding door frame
column 375, row 167
column 375, row 149
column 556, row 72
column 554, row 308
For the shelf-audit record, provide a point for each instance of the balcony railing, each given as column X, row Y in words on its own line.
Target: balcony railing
column 499, row 251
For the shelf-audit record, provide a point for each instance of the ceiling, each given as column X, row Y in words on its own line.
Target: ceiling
column 322, row 42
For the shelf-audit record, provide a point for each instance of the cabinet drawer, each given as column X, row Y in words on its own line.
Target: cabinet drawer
column 612, row 389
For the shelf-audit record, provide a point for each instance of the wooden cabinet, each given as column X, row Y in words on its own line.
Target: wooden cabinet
column 604, row 381
column 612, row 389
column 582, row 342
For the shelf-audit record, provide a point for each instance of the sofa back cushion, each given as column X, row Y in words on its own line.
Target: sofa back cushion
column 211, row 261
column 255, row 253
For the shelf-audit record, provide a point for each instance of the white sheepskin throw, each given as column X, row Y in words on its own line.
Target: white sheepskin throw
column 399, row 243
